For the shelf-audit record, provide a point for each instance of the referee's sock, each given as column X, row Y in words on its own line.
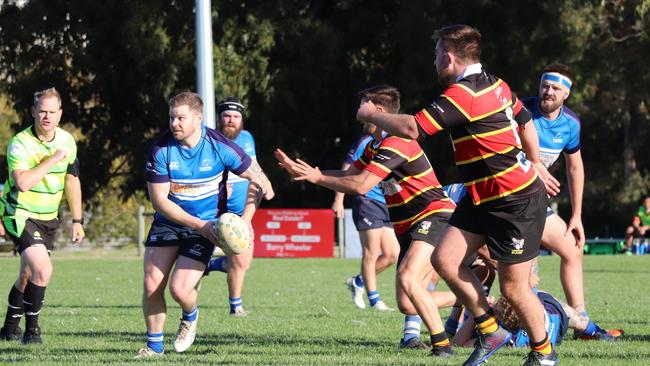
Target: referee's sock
column 33, row 301
column 14, row 309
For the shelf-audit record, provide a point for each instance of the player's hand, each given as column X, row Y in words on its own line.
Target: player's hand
column 59, row 154
column 575, row 228
column 207, row 231
column 366, row 109
column 285, row 162
column 306, row 172
column 339, row 210
column 552, row 184
column 78, row 233
column 269, row 193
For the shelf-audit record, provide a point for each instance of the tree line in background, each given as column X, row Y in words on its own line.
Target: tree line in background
column 298, row 65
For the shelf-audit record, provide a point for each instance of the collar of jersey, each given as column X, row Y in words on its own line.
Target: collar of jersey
column 469, row 70
column 190, row 152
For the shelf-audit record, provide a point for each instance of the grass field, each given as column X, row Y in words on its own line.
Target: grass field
column 301, row 314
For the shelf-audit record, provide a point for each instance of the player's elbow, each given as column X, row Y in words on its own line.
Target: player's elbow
column 411, row 130
column 360, row 189
column 22, row 187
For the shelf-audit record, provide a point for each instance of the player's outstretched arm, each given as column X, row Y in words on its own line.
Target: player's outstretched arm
column 402, row 125
column 350, row 181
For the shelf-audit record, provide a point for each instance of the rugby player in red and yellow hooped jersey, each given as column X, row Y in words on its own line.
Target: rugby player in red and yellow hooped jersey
column 418, row 208
column 505, row 205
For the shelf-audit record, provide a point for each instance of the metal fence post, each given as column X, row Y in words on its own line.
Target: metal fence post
column 340, row 225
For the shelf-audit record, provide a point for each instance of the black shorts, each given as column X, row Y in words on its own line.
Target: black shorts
column 190, row 243
column 429, row 229
column 36, row 232
column 369, row 214
column 512, row 230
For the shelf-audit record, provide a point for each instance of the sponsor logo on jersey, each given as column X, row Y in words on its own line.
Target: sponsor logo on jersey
column 437, row 107
column 206, row 165
column 518, row 245
column 173, row 165
column 381, row 157
column 558, row 139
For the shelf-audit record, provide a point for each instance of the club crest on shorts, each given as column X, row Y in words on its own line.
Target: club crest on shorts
column 424, row 227
column 518, row 245
column 197, row 250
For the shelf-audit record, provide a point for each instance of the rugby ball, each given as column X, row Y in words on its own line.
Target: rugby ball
column 232, row 233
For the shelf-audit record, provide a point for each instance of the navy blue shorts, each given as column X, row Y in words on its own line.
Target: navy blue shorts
column 428, row 230
column 189, row 242
column 369, row 214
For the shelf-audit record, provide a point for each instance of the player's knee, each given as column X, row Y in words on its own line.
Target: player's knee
column 41, row 276
column 153, row 286
column 179, row 291
column 391, row 257
column 444, row 268
column 406, row 280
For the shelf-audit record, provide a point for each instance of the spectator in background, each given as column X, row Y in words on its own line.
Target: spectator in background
column 640, row 227
column 231, row 124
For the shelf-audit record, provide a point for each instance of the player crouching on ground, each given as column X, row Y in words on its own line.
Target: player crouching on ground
column 559, row 318
column 418, row 208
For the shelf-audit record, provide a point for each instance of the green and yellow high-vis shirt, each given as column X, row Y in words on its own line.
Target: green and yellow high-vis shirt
column 24, row 152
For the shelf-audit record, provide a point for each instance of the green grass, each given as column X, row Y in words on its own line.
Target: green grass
column 301, row 314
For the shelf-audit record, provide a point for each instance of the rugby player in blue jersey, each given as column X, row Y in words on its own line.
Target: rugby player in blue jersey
column 558, row 128
column 231, row 125
column 379, row 245
column 186, row 174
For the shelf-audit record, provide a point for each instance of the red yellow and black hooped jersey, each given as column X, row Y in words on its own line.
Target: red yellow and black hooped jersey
column 409, row 184
column 482, row 117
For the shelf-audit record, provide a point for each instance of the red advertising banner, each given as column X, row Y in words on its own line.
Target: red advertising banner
column 286, row 232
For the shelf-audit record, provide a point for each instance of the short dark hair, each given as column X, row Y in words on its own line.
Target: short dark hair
column 462, row 40
column 384, row 95
column 560, row 69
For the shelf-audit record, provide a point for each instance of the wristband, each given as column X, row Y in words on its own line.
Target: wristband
column 78, row 221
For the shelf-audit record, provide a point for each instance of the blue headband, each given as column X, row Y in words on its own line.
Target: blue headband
column 557, row 78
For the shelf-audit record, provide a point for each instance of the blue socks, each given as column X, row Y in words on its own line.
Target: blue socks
column 412, row 325
column 192, row 315
column 235, row 302
column 155, row 342
column 358, row 281
column 217, row 264
column 373, row 297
